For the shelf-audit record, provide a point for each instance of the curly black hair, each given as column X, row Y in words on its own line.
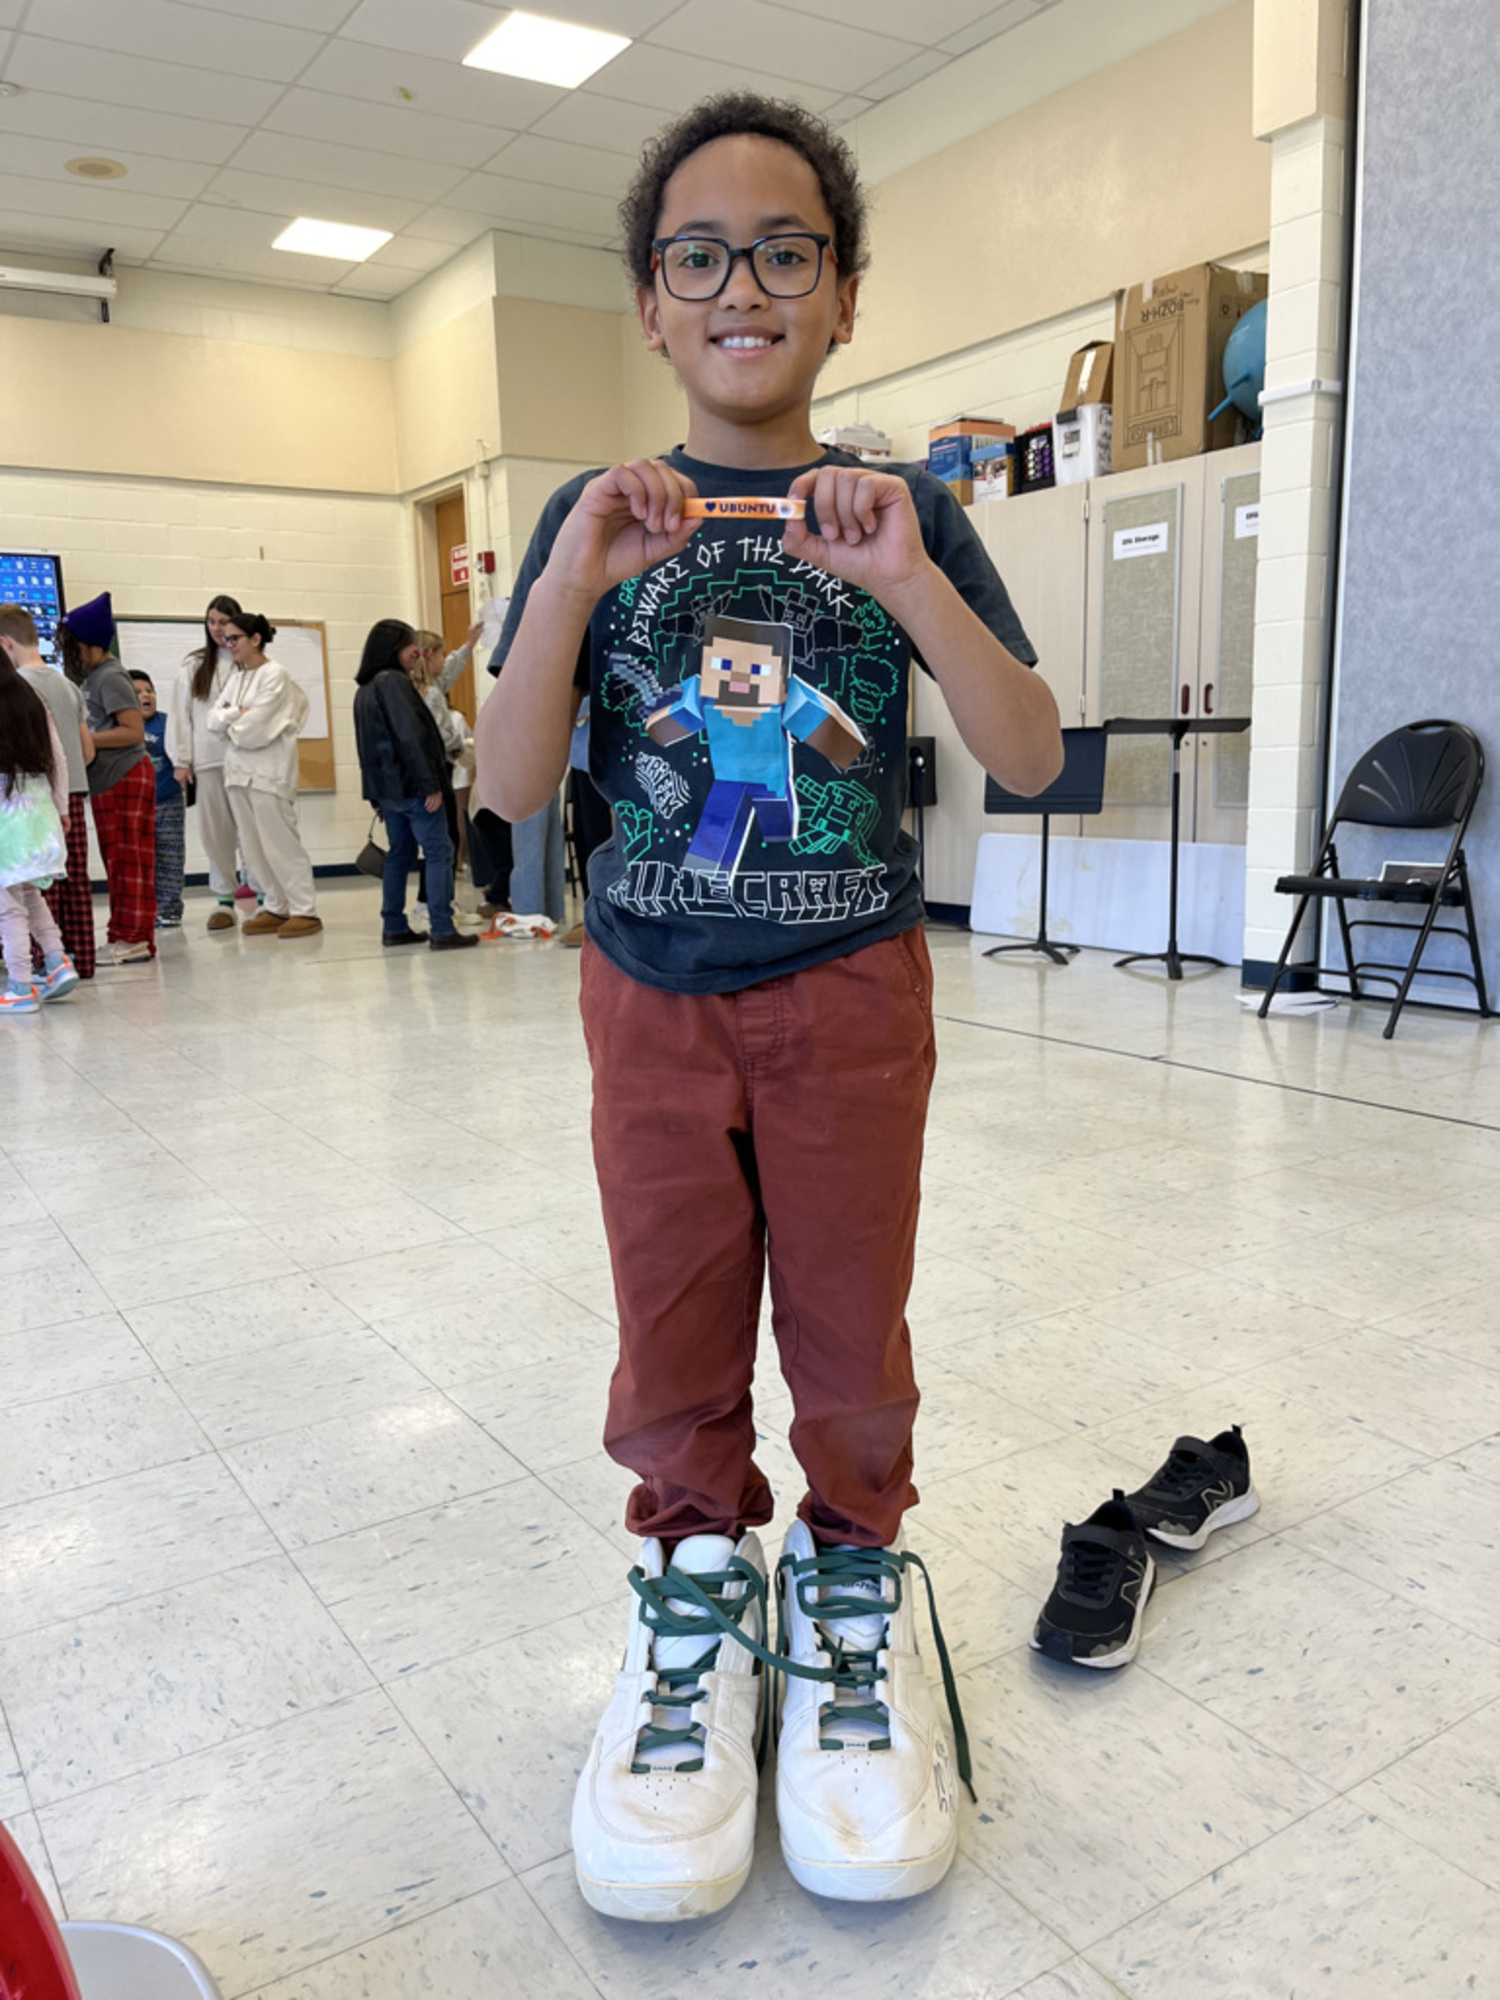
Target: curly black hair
column 726, row 117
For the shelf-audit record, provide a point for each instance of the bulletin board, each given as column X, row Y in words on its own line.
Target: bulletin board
column 159, row 647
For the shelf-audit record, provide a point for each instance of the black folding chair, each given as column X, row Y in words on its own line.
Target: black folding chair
column 1426, row 777
column 1078, row 789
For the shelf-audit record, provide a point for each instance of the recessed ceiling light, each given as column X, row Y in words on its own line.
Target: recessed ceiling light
column 331, row 239
column 90, row 169
column 545, row 51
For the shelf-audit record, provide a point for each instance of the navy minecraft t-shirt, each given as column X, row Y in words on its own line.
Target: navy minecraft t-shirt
column 748, row 728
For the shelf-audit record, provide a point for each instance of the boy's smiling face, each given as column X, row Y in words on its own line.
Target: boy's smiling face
column 748, row 362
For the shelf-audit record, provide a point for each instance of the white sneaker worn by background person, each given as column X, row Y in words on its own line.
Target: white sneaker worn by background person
column 664, row 1814
column 866, row 1774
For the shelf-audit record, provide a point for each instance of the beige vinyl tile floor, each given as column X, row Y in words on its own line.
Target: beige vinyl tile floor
column 311, row 1566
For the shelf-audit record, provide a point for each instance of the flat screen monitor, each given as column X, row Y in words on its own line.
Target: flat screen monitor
column 34, row 580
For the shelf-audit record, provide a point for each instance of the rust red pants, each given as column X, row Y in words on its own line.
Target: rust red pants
column 125, row 824
column 779, row 1125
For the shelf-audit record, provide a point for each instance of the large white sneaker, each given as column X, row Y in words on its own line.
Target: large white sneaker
column 866, row 1775
column 664, row 1814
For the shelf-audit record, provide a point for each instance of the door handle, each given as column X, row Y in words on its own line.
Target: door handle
column 1208, row 697
column 1186, row 699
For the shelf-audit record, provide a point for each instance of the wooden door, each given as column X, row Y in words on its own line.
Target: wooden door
column 457, row 616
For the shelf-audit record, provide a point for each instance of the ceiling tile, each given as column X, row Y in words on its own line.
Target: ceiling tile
column 104, row 205
column 271, row 195
column 671, row 81
column 11, row 12
column 363, row 282
column 46, row 159
column 755, row 36
column 926, row 63
column 586, row 119
column 324, row 15
column 392, row 128
column 57, row 236
column 186, row 251
column 209, row 257
column 235, row 225
column 229, row 45
column 453, row 227
column 505, row 201
column 346, row 167
column 71, row 70
column 998, row 21
column 118, row 127
column 929, row 23
column 439, row 89
column 634, row 18
column 845, row 108
column 447, row 29
column 406, row 253
column 583, row 168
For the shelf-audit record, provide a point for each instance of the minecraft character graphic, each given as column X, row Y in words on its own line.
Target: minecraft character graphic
column 748, row 704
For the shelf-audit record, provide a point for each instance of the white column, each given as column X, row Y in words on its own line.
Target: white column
column 1300, row 60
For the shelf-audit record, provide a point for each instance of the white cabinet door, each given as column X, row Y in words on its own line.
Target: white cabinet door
column 1037, row 543
column 1144, row 586
column 1220, row 767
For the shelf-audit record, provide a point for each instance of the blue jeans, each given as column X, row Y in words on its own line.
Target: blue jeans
column 408, row 826
column 536, row 878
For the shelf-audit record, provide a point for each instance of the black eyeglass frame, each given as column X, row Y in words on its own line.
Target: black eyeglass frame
column 824, row 244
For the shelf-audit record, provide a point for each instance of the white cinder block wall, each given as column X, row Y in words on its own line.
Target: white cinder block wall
column 163, row 548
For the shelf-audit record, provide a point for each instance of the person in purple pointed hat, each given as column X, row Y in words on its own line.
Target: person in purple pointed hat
column 122, row 785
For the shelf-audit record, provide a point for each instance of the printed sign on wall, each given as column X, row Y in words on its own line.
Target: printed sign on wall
column 1154, row 540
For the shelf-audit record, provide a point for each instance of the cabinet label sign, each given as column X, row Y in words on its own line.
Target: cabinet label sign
column 1247, row 521
column 1152, row 541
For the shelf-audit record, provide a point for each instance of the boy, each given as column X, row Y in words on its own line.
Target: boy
column 171, row 809
column 122, row 787
column 71, row 897
column 757, row 1004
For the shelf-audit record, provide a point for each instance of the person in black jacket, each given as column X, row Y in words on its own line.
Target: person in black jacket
column 403, row 769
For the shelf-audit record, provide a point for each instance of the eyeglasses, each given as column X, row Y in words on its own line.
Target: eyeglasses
column 698, row 267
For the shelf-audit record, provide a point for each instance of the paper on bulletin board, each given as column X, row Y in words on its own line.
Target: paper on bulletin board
column 492, row 618
column 1152, row 540
column 1247, row 521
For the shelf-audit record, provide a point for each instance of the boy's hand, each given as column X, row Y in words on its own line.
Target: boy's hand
column 868, row 532
column 621, row 523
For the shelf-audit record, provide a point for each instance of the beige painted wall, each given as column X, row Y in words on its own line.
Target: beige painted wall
column 121, row 399
column 1139, row 169
column 655, row 407
column 446, row 400
column 561, row 394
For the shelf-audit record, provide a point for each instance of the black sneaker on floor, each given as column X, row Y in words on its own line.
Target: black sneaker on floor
column 1201, row 1487
column 1093, row 1617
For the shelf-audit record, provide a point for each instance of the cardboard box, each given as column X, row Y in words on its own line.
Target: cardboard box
column 1081, row 443
column 1091, row 375
column 994, row 469
column 971, row 427
column 951, row 445
column 1169, row 362
column 962, row 491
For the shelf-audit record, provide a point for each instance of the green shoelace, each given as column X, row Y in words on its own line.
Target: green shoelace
column 716, row 1616
column 830, row 1585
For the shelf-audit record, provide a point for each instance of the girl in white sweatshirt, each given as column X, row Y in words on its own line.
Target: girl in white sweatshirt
column 197, row 753
column 258, row 717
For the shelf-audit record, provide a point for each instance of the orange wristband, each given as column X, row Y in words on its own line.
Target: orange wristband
column 746, row 507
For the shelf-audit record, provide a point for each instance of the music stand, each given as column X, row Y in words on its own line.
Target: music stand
column 1080, row 789
column 1175, row 726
